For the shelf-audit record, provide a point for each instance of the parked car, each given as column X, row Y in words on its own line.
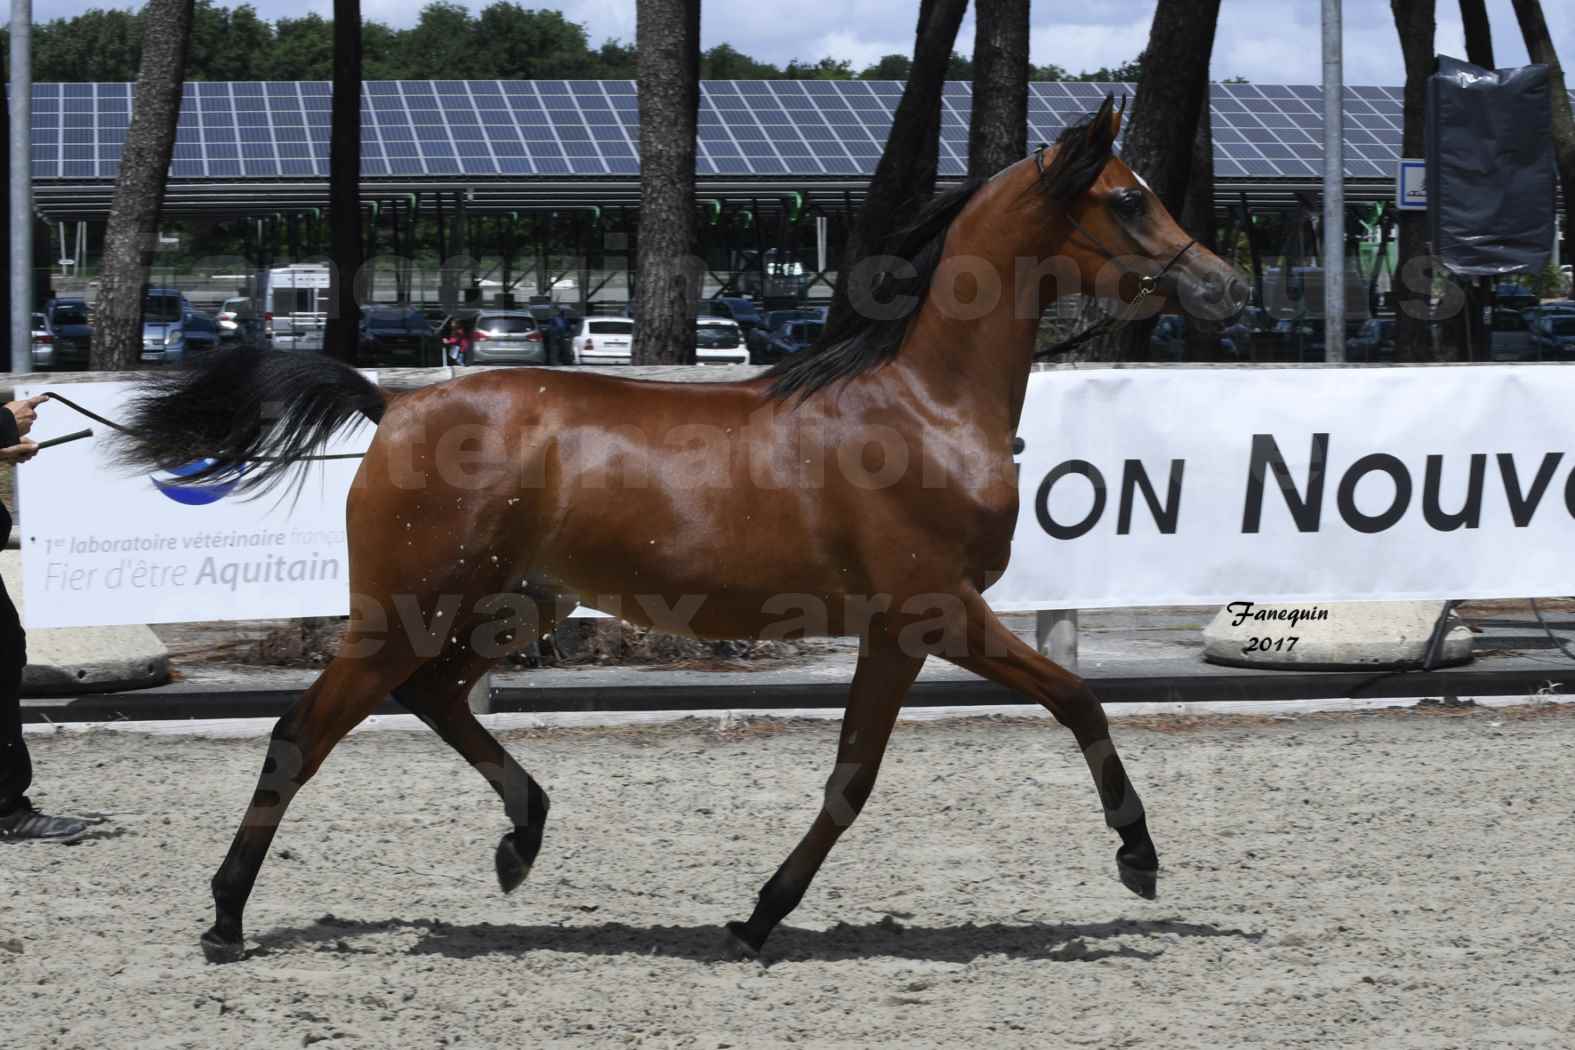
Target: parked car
column 758, row 337
column 558, row 339
column 782, row 276
column 1169, row 338
column 1300, row 339
column 507, row 337
column 733, row 308
column 604, row 341
column 792, row 337
column 43, row 343
column 719, row 341
column 1554, row 335
column 397, row 336
column 240, row 325
column 173, row 332
column 1510, row 302
column 1375, row 341
column 1557, row 306
column 73, row 334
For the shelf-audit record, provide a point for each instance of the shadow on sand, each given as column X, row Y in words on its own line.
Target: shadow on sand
column 1084, row 942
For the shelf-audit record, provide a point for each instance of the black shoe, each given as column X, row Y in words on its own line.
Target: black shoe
column 27, row 824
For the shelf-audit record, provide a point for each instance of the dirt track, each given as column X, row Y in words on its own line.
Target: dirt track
column 1397, row 880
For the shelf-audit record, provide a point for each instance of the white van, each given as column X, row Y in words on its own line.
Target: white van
column 295, row 306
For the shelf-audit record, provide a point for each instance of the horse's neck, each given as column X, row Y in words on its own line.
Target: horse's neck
column 975, row 359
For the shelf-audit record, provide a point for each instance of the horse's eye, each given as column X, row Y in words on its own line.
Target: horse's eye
column 1130, row 203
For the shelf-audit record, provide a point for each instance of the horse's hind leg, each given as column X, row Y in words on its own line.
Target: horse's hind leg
column 439, row 695
column 994, row 652
column 344, row 694
column 880, row 682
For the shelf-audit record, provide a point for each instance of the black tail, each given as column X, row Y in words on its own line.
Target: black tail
column 253, row 415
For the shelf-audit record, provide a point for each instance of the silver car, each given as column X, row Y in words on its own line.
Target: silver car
column 507, row 337
column 43, row 343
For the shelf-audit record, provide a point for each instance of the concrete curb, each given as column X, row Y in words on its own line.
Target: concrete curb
column 250, row 728
column 171, row 703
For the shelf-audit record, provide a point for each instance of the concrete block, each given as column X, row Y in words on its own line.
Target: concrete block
column 1332, row 636
column 71, row 660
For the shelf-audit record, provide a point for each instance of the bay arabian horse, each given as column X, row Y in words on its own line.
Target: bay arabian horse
column 865, row 488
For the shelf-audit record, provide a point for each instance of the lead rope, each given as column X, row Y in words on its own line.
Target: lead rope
column 118, row 428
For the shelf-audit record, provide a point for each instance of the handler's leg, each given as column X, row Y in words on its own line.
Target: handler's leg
column 880, row 682
column 994, row 652
column 16, row 767
column 19, row 821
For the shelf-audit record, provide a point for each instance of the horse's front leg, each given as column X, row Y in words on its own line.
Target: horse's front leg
column 992, row 651
column 880, row 682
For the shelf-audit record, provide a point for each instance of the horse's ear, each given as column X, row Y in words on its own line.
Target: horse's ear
column 1106, row 125
column 1101, row 121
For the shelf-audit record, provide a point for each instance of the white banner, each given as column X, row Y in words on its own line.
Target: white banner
column 1139, row 487
column 1203, row 487
column 103, row 547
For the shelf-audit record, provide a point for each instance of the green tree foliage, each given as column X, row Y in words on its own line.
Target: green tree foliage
column 441, row 45
column 95, row 45
column 229, row 44
column 511, row 42
column 617, row 60
column 890, row 67
column 825, row 69
column 726, row 62
column 505, row 40
column 303, row 49
column 382, row 56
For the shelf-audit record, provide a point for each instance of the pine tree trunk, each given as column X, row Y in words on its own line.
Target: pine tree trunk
column 1160, row 138
column 998, row 127
column 344, row 184
column 5, row 205
column 1198, row 219
column 1539, row 45
column 667, row 33
column 132, row 233
column 1479, row 33
column 1473, row 326
column 1413, row 272
column 905, row 174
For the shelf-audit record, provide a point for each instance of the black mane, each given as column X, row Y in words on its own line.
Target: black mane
column 853, row 343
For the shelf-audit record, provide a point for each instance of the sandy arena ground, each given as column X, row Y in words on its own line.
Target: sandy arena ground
column 1395, row 879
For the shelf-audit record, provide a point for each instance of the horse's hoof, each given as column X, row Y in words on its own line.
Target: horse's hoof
column 736, row 944
column 1142, row 881
column 218, row 950
column 512, row 868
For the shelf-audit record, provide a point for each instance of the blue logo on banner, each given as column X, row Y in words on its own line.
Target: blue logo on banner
column 197, row 494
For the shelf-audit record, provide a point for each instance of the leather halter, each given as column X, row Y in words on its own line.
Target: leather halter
column 1148, row 284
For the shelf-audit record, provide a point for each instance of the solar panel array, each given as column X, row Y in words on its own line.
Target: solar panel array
column 545, row 128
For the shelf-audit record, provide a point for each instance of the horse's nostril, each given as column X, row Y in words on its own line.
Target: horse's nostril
column 1213, row 289
column 1238, row 292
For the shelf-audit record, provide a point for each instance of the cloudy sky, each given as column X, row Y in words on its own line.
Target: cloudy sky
column 1268, row 41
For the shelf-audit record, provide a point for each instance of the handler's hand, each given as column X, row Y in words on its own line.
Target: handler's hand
column 25, row 412
column 19, row 453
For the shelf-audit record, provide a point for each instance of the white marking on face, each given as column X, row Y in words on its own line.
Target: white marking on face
column 1142, row 182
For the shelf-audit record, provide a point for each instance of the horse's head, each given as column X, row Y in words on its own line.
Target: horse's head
column 1116, row 227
